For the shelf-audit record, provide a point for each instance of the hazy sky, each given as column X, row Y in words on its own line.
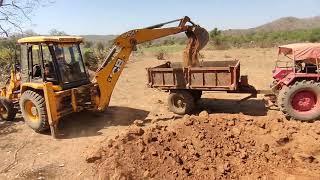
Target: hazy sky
column 116, row 16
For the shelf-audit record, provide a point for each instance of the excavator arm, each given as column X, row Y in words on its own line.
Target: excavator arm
column 108, row 73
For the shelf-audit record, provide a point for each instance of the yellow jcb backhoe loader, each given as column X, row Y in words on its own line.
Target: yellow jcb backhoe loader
column 51, row 80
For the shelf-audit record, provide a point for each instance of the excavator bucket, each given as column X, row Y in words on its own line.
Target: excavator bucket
column 198, row 39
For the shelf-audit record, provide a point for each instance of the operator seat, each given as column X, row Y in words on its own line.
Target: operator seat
column 36, row 71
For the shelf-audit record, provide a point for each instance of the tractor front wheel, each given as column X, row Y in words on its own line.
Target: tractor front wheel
column 301, row 100
column 33, row 109
column 7, row 110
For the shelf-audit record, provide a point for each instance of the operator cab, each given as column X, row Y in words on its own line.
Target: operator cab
column 55, row 59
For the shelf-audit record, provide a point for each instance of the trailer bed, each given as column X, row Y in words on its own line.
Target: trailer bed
column 210, row 76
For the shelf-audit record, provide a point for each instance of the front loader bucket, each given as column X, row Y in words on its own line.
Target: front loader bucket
column 198, row 39
column 202, row 36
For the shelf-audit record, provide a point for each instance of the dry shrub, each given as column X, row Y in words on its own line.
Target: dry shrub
column 161, row 55
column 201, row 55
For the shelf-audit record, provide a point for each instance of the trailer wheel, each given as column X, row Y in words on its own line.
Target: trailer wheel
column 7, row 110
column 181, row 102
column 301, row 101
column 196, row 95
column 33, row 109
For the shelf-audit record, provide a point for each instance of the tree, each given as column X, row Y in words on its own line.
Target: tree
column 30, row 32
column 315, row 36
column 55, row 32
column 14, row 14
column 215, row 33
column 216, row 37
column 90, row 59
column 100, row 46
column 88, row 44
column 7, row 56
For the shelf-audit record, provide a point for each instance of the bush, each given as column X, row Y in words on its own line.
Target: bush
column 161, row 55
column 262, row 39
column 90, row 59
column 314, row 36
column 8, row 54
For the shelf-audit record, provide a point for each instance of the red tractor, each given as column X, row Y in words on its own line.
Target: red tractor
column 297, row 81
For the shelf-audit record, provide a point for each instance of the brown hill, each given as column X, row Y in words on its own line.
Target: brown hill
column 282, row 24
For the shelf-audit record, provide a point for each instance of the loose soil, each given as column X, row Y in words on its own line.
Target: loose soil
column 215, row 146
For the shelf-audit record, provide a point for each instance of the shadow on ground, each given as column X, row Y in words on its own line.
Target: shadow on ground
column 252, row 107
column 86, row 124
column 8, row 127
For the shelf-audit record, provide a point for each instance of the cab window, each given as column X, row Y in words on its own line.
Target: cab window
column 35, row 63
column 70, row 63
column 48, row 66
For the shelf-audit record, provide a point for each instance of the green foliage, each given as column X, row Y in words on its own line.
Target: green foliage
column 100, row 46
column 8, row 55
column 215, row 33
column 262, row 39
column 314, row 36
column 7, row 51
column 169, row 41
column 90, row 58
column 88, row 44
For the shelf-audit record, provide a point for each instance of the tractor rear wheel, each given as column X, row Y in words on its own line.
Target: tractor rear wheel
column 301, row 100
column 7, row 110
column 181, row 102
column 33, row 109
column 280, row 95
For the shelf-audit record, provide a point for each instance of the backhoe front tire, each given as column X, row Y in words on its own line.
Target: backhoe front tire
column 33, row 109
column 181, row 102
column 7, row 110
column 301, row 100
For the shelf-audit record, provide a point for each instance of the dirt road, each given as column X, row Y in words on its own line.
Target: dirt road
column 26, row 154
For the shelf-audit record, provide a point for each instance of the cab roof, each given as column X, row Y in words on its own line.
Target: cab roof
column 301, row 51
column 45, row 39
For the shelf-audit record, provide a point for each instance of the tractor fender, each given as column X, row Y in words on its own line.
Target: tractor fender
column 36, row 86
column 288, row 79
column 293, row 77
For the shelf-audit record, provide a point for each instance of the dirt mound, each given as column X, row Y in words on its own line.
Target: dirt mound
column 213, row 147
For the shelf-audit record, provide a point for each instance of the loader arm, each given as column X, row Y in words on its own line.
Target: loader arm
column 108, row 74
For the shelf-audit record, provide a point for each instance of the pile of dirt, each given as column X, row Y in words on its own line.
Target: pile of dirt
column 213, row 147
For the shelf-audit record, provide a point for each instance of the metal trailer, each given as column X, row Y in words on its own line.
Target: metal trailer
column 187, row 83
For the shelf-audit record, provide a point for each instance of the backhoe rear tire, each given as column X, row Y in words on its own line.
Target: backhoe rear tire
column 7, row 110
column 181, row 102
column 33, row 109
column 301, row 101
